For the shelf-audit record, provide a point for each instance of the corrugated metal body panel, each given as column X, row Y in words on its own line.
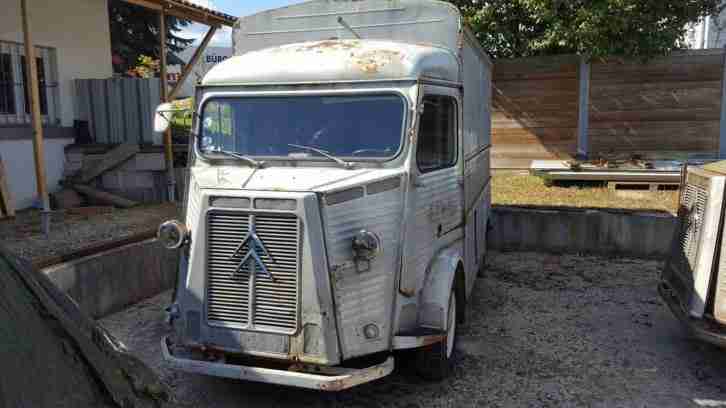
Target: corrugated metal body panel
column 437, row 211
column 272, row 303
column 476, row 177
column 695, row 198
column 315, row 314
column 364, row 296
column 719, row 301
column 118, row 110
column 409, row 21
column 477, row 77
column 476, row 237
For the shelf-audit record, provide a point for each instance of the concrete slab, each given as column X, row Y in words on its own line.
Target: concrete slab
column 590, row 231
column 110, row 281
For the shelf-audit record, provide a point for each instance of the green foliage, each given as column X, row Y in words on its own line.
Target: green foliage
column 135, row 33
column 597, row 28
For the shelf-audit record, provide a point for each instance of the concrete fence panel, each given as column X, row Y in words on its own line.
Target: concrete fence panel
column 110, row 281
column 589, row 231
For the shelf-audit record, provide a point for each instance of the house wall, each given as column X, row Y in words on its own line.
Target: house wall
column 79, row 32
column 17, row 158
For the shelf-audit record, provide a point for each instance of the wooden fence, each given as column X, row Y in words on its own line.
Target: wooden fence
column 557, row 107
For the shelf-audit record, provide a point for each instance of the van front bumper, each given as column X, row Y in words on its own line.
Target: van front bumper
column 329, row 379
column 705, row 330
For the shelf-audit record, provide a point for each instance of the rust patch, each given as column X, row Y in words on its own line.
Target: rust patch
column 333, row 386
column 327, row 45
column 429, row 340
column 407, row 292
column 373, row 61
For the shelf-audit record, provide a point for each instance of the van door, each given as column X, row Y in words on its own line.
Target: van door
column 435, row 202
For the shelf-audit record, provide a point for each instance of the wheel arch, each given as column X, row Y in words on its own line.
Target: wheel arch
column 446, row 272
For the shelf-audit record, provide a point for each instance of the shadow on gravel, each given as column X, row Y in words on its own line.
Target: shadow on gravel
column 543, row 331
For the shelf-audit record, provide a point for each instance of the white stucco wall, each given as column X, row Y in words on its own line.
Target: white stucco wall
column 17, row 157
column 79, row 32
column 77, row 29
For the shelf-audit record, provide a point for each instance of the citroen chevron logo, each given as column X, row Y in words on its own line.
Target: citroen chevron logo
column 252, row 258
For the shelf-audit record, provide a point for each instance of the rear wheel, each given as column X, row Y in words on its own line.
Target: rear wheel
column 434, row 362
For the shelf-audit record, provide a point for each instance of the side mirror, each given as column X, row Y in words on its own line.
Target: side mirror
column 162, row 117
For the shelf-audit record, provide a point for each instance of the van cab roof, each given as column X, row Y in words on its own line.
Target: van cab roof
column 336, row 60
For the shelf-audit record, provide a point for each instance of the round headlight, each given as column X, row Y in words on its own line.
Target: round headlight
column 172, row 234
column 366, row 245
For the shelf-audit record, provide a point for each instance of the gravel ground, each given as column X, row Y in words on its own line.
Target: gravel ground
column 23, row 236
column 543, row 331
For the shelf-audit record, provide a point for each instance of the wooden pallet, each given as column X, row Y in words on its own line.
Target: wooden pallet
column 642, row 186
column 6, row 205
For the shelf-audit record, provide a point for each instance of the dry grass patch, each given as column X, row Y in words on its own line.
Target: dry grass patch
column 531, row 190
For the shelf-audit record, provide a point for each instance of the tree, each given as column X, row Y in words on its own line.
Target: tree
column 135, row 33
column 596, row 28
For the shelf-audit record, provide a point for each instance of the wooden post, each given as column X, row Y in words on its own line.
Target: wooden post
column 195, row 58
column 722, row 124
column 583, row 111
column 168, row 153
column 6, row 204
column 34, row 93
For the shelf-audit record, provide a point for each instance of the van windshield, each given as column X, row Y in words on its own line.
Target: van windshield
column 351, row 127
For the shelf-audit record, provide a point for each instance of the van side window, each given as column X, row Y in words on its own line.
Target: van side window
column 437, row 134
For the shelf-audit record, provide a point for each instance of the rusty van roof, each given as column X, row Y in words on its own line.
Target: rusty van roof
column 336, row 60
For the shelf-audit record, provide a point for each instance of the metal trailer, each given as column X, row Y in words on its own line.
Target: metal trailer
column 693, row 281
column 296, row 265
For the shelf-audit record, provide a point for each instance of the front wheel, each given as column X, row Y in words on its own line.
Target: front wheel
column 434, row 362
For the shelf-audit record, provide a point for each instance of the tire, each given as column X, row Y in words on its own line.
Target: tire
column 434, row 362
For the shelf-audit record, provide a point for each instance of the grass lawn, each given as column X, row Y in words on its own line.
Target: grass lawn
column 510, row 189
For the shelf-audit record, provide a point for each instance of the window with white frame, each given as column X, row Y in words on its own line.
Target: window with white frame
column 14, row 89
column 7, row 85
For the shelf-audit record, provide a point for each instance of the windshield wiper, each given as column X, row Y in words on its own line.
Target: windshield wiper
column 255, row 163
column 345, row 164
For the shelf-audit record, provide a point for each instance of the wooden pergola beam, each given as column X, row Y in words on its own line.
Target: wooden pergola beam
column 180, row 9
column 195, row 58
column 186, row 11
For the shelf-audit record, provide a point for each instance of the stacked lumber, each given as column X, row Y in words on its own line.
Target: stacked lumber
column 80, row 182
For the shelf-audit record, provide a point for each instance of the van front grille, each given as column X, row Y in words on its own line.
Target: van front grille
column 691, row 214
column 261, row 302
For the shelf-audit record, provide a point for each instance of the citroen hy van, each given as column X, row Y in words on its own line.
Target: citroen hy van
column 338, row 198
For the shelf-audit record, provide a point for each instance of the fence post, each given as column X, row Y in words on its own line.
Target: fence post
column 583, row 111
column 722, row 123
